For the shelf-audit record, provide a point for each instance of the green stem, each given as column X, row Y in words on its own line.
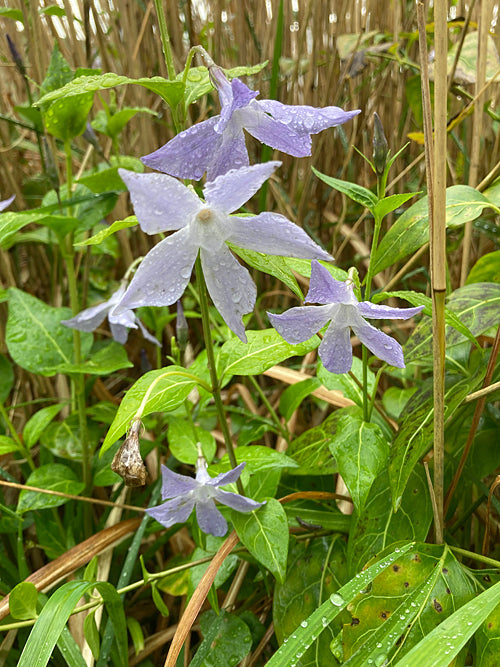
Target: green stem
column 478, row 557
column 24, row 451
column 284, row 432
column 77, row 380
column 374, row 392
column 167, row 52
column 216, row 388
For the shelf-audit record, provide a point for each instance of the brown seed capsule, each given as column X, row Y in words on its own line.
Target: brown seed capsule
column 127, row 461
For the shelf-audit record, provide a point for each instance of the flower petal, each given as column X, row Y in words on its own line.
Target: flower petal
column 335, row 350
column 324, row 288
column 230, row 191
column 231, row 154
column 305, row 119
column 298, row 324
column 230, row 286
column 189, row 153
column 237, row 502
column 226, row 477
column 173, row 484
column 119, row 332
column 90, row 318
column 210, row 520
column 240, row 97
column 146, row 333
column 173, row 511
column 6, row 202
column 274, row 234
column 272, row 132
column 380, row 344
column 161, row 203
column 164, row 273
column 377, row 311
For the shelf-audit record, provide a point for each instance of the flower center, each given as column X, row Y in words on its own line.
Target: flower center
column 205, row 215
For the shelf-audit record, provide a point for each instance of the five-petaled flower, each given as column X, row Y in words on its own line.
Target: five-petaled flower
column 217, row 145
column 162, row 203
column 340, row 307
column 185, row 493
column 121, row 319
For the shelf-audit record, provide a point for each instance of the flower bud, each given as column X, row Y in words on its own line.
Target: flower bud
column 16, row 56
column 181, row 327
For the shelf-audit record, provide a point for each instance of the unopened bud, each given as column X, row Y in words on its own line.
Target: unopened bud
column 16, row 56
column 380, row 145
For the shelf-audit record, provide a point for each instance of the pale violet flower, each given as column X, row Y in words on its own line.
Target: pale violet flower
column 344, row 312
column 217, row 145
column 185, row 493
column 162, row 204
column 120, row 319
column 6, row 202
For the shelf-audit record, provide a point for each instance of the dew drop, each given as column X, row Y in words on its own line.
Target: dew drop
column 337, row 600
column 304, row 624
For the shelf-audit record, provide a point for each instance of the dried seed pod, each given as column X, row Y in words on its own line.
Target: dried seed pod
column 127, row 461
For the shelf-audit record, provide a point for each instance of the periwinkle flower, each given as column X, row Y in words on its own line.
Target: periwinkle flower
column 120, row 319
column 6, row 202
column 162, row 203
column 344, row 312
column 217, row 145
column 185, row 493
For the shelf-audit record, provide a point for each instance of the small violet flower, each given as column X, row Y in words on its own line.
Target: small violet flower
column 120, row 319
column 343, row 311
column 185, row 493
column 6, row 202
column 217, row 145
column 162, row 203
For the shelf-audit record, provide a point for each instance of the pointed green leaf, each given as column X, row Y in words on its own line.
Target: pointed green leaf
column 53, row 477
column 37, row 424
column 486, row 269
column 22, row 601
column 355, row 192
column 391, row 203
column 6, row 378
column 264, row 349
column 110, row 357
column 272, row 264
column 264, row 532
column 411, row 231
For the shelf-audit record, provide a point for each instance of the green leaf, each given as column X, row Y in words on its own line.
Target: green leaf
column 271, row 264
column 475, row 305
column 391, row 203
column 54, row 616
column 441, row 645
column 170, row 91
column 467, row 66
column 310, row 629
column 310, row 450
column 264, row 349
column 92, row 633
column 196, row 573
column 64, row 438
column 257, row 458
column 488, row 639
column 11, row 222
column 183, row 437
column 106, row 179
column 66, row 119
column 411, row 231
column 379, row 526
column 303, row 267
column 404, row 604
column 264, row 532
column 15, row 14
column 172, row 386
column 361, row 451
column 136, row 634
column 158, row 600
column 6, row 378
column 109, row 358
column 293, row 396
column 315, row 571
column 395, row 399
column 52, row 10
column 7, row 445
column 22, row 601
column 486, row 269
column 130, row 221
column 418, row 299
column 37, row 424
column 415, row 435
column 113, row 124
column 227, row 640
column 35, row 337
column 355, row 192
column 53, row 477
